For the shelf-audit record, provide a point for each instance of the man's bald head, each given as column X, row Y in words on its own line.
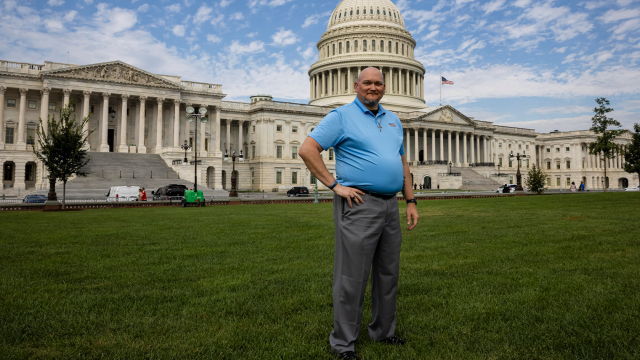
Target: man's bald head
column 370, row 87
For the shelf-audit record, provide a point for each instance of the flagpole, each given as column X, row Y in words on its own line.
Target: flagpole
column 440, row 85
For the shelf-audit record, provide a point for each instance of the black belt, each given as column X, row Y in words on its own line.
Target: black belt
column 381, row 196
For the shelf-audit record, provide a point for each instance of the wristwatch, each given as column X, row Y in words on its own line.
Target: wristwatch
column 412, row 201
column 335, row 183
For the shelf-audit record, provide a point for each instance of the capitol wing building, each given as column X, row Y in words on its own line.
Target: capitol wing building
column 136, row 112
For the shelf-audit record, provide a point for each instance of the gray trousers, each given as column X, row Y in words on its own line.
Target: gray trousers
column 368, row 237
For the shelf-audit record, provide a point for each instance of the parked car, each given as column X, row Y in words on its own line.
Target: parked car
column 34, row 199
column 122, row 193
column 635, row 188
column 298, row 191
column 173, row 190
column 512, row 188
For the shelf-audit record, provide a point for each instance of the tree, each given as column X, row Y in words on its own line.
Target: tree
column 632, row 155
column 536, row 180
column 604, row 145
column 63, row 149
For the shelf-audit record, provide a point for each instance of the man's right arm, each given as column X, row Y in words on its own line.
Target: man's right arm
column 310, row 153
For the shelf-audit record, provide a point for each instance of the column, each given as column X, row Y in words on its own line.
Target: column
column 241, row 143
column 85, row 112
column 140, row 133
column 416, row 155
column 441, row 157
column 449, row 146
column 471, row 152
column 339, row 92
column 202, row 132
column 176, row 124
column 2, row 105
column 457, row 162
column 67, row 95
column 408, row 147
column 187, row 127
column 21, row 144
column 333, row 88
column 433, row 145
column 104, row 125
column 228, row 137
column 424, row 144
column 322, row 87
column 486, row 150
column 349, row 87
column 124, row 147
column 44, row 109
column 158, row 145
column 217, row 139
column 401, row 83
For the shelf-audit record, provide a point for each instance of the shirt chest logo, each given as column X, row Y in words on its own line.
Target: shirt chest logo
column 392, row 124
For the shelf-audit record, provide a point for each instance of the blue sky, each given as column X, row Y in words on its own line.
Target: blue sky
column 526, row 63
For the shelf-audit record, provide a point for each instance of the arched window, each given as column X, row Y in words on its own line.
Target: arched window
column 373, row 45
column 348, row 47
column 396, row 48
column 327, row 50
column 355, row 46
column 334, row 49
column 340, row 16
column 389, row 47
column 371, row 11
column 358, row 12
column 364, row 45
column 394, row 15
column 351, row 13
column 345, row 13
column 340, row 48
column 402, row 49
column 384, row 12
column 378, row 11
column 381, row 46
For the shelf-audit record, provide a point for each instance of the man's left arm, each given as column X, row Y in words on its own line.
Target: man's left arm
column 407, row 191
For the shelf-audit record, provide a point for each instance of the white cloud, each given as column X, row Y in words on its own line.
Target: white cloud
column 225, row 3
column 430, row 35
column 236, row 16
column 572, row 109
column 70, row 15
column 218, row 20
column 213, row 39
column 143, row 8
column 253, row 34
column 284, row 37
column 462, row 2
column 175, row 8
column 308, row 53
column 492, row 6
column 55, row 2
column 203, row 14
column 251, row 48
column 313, row 19
column 253, row 4
column 179, row 30
column 88, row 1
column 114, row 20
column 560, row 50
column 590, row 5
column 522, row 3
column 616, row 15
column 626, row 26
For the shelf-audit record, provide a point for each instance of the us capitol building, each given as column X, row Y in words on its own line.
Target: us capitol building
column 134, row 111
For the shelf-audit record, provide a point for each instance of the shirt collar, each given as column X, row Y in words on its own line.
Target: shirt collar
column 381, row 110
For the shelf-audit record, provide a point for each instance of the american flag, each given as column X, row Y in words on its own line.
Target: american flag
column 446, row 82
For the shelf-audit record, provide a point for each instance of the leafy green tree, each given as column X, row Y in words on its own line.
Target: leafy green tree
column 63, row 149
column 536, row 180
column 604, row 148
column 632, row 154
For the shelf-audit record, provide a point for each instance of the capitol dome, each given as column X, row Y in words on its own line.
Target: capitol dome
column 360, row 34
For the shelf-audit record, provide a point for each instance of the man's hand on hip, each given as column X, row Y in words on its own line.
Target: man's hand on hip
column 412, row 214
column 350, row 194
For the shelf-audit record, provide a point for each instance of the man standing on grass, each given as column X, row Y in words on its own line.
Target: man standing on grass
column 371, row 168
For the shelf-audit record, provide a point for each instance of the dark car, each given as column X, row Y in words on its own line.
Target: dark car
column 298, row 191
column 173, row 190
column 34, row 199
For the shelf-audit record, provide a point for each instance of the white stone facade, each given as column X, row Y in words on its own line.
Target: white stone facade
column 134, row 111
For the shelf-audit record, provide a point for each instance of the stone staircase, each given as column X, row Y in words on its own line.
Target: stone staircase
column 105, row 170
column 471, row 180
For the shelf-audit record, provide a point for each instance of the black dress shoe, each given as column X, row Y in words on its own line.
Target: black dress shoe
column 394, row 340
column 348, row 355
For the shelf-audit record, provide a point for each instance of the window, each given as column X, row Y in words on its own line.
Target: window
column 381, row 46
column 568, row 164
column 364, row 45
column 279, row 128
column 9, row 136
column 520, row 147
column 527, row 147
column 91, row 110
column 558, row 165
column 11, row 103
column 52, row 106
column 294, row 129
column 584, row 148
column 402, row 49
column 389, row 48
column 510, row 163
column 557, row 149
column 511, row 179
column 527, row 163
column 334, row 49
column 548, row 181
column 500, row 145
column 279, row 151
column 340, row 48
column 358, row 12
column 253, row 129
column 348, row 47
column 509, row 146
column 30, row 171
column 294, row 177
column 500, row 161
column 278, row 177
column 567, row 149
column 373, row 45
column 568, row 181
column 355, row 46
column 378, row 11
column 583, row 163
column 72, row 107
column 371, row 11
column 548, row 150
column 558, row 181
column 330, row 154
column 8, row 172
column 313, row 180
column 253, row 151
column 548, row 165
column 191, row 142
column 351, row 13
column 31, row 136
column 384, row 12
column 33, row 104
column 206, row 144
column 396, row 48
column 253, row 177
column 294, row 152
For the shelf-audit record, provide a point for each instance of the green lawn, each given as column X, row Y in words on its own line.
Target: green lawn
column 548, row 277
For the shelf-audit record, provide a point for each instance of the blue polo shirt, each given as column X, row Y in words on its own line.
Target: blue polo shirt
column 366, row 156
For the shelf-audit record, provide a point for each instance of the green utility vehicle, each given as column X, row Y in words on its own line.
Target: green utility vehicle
column 193, row 198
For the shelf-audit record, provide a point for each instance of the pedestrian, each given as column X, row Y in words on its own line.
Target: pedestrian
column 415, row 186
column 438, row 186
column 573, row 186
column 144, row 195
column 581, row 185
column 372, row 168
column 139, row 195
column 420, row 186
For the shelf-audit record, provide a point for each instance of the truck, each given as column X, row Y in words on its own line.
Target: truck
column 193, row 198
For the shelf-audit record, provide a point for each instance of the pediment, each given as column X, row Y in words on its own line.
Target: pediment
column 446, row 114
column 115, row 72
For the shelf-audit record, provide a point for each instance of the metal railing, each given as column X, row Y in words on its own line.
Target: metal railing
column 177, row 162
column 450, row 174
column 482, row 164
column 429, row 162
column 194, row 162
column 498, row 175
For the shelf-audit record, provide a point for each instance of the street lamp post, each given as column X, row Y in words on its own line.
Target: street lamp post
column 185, row 147
column 518, row 175
column 450, row 165
column 191, row 117
column 234, row 179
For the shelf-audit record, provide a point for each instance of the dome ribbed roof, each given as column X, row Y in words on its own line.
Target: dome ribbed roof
column 373, row 12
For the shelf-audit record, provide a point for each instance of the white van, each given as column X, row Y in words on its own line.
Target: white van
column 122, row 193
